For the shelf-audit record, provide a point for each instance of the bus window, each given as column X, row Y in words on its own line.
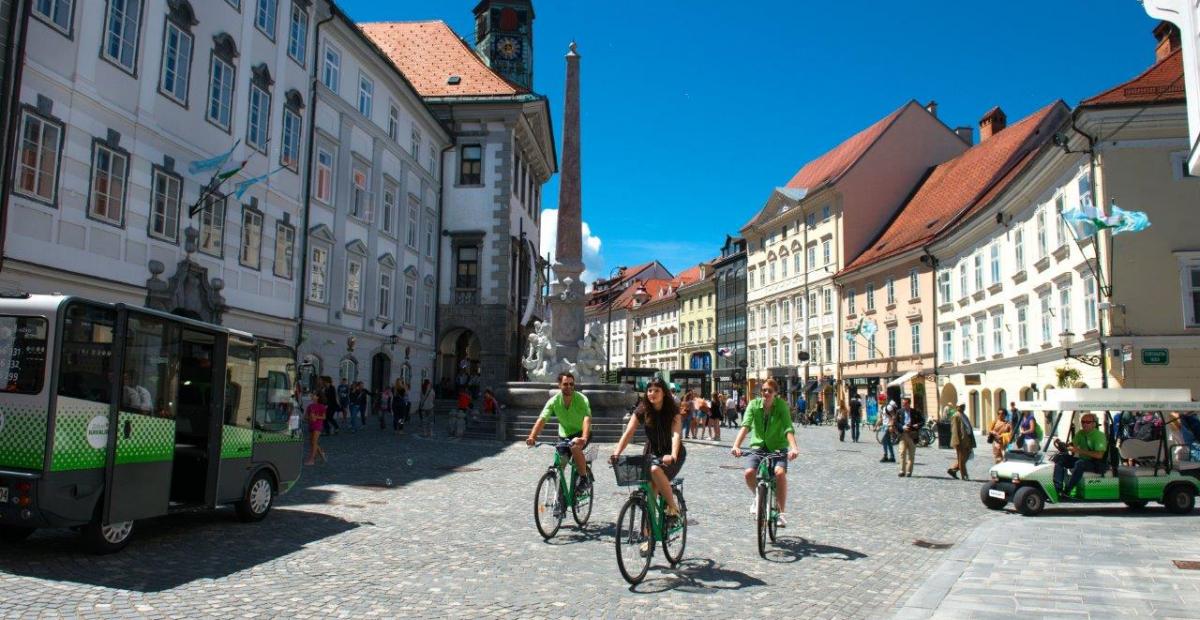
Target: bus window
column 22, row 353
column 85, row 366
column 151, row 367
column 273, row 404
column 239, row 377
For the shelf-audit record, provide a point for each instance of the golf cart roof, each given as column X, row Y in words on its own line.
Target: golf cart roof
column 1120, row 399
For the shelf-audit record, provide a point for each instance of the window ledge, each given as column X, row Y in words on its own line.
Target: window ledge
column 1042, row 263
column 914, row 300
column 962, row 301
column 891, row 306
column 869, row 311
column 1019, row 277
column 978, row 295
column 1094, row 332
column 946, row 307
column 1047, row 345
column 997, row 356
column 1022, row 351
column 1061, row 252
column 995, row 288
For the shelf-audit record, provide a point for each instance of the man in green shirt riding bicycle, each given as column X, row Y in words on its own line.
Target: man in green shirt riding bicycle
column 769, row 424
column 574, row 416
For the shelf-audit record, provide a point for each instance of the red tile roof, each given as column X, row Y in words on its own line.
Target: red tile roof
column 1161, row 83
column 959, row 187
column 687, row 276
column 830, row 167
column 429, row 53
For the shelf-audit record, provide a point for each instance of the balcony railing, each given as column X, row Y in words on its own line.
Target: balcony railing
column 466, row 297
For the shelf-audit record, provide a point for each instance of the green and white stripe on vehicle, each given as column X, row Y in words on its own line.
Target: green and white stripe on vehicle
column 22, row 437
column 236, row 442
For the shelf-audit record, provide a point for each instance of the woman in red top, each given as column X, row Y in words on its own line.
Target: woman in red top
column 490, row 405
column 316, row 423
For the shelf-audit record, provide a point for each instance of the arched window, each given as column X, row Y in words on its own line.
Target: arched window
column 348, row 370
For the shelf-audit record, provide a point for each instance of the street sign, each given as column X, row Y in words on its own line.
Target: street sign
column 1156, row 357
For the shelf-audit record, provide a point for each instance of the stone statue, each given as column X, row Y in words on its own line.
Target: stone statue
column 542, row 365
column 591, row 356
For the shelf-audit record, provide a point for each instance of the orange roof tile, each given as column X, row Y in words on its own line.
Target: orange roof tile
column 429, row 53
column 957, row 188
column 1161, row 83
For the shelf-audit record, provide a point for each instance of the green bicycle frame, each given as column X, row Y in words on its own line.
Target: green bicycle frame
column 566, row 487
column 766, row 475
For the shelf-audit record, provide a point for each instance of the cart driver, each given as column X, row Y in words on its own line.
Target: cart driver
column 1084, row 453
column 574, row 415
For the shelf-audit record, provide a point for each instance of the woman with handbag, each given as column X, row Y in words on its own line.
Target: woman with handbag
column 999, row 435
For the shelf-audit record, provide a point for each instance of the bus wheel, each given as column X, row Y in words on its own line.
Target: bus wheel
column 13, row 534
column 260, row 495
column 104, row 539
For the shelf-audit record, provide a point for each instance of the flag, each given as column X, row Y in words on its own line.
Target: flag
column 869, row 328
column 725, row 352
column 1128, row 221
column 1087, row 220
column 854, row 331
column 242, row 187
column 221, row 177
column 212, row 163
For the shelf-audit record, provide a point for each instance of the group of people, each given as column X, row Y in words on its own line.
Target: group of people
column 703, row 418
column 463, row 406
column 903, row 424
column 327, row 407
column 767, row 421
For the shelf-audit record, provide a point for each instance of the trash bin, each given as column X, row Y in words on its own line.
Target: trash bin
column 943, row 431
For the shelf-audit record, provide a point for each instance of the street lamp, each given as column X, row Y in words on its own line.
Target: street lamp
column 1066, row 339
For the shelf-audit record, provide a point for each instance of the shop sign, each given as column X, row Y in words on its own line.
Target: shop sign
column 1156, row 357
column 972, row 380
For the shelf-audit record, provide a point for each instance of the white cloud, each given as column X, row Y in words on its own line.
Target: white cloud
column 593, row 262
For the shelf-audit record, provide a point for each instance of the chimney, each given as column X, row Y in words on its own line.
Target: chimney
column 992, row 123
column 966, row 134
column 931, row 107
column 1167, row 36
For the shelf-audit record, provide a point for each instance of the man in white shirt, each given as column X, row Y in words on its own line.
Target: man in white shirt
column 731, row 412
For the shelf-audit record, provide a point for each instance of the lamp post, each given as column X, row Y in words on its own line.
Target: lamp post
column 1066, row 339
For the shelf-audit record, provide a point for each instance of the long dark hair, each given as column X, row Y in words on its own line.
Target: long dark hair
column 670, row 409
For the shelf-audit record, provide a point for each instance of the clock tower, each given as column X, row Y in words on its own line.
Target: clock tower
column 504, row 37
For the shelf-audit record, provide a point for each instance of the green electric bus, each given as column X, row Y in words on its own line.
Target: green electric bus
column 112, row 413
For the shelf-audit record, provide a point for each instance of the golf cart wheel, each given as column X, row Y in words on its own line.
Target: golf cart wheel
column 1136, row 504
column 1029, row 501
column 1179, row 499
column 993, row 503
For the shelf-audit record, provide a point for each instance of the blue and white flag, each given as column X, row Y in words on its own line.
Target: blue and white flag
column 242, row 187
column 1087, row 220
column 869, row 328
column 212, row 163
column 1128, row 221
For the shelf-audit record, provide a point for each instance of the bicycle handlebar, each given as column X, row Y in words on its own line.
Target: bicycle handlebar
column 765, row 453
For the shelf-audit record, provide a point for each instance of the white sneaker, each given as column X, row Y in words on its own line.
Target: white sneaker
column 780, row 521
column 754, row 505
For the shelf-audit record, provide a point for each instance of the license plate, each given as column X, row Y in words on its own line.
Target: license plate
column 3, row 495
column 996, row 494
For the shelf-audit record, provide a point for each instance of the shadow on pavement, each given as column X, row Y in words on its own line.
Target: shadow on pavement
column 593, row 532
column 1104, row 510
column 168, row 552
column 787, row 550
column 699, row 575
column 972, row 480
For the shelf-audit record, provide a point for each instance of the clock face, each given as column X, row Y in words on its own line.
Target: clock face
column 508, row 48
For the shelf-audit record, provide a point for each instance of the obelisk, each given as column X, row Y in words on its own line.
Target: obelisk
column 567, row 292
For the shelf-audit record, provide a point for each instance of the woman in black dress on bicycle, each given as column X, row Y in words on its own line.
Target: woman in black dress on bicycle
column 659, row 413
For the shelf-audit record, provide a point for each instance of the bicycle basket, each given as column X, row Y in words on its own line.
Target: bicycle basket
column 630, row 470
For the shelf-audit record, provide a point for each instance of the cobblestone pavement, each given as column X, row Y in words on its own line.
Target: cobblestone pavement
column 461, row 543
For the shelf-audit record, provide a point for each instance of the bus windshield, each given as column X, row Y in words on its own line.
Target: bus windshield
column 23, row 353
column 273, row 406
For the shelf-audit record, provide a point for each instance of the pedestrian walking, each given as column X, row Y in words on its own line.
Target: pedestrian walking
column 384, row 406
column 315, row 414
column 400, row 407
column 843, row 423
column 425, row 408
column 909, row 422
column 801, row 406
column 491, row 406
column 458, row 417
column 998, row 435
column 700, row 420
column 329, row 398
column 855, row 417
column 358, row 406
column 685, row 413
column 715, row 415
column 962, row 439
column 888, row 423
column 343, row 397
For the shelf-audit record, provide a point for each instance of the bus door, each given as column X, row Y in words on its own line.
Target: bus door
column 142, row 417
column 237, row 418
column 277, row 436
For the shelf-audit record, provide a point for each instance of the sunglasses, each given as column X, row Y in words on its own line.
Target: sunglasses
column 768, row 391
column 1087, row 421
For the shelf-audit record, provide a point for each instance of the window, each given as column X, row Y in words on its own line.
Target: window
column 285, row 243
column 428, row 234
column 762, row 276
column 220, row 93
column 251, row 251
column 109, row 170
column 56, row 12
column 1022, row 327
column 410, row 302
column 962, row 279
column 891, row 340
column 980, row 338
column 997, row 334
column 812, row 256
column 771, row 270
column 324, row 177
column 825, row 252
column 176, row 63
column 915, row 335
column 24, row 363
column 471, row 165
column 354, row 274
column 852, row 351
column 298, row 34
column 947, row 346
column 890, row 287
column 414, row 145
column 366, row 95
column 1060, row 225
column 331, row 69
column 1085, row 189
column 812, row 304
column 212, row 227
column 164, row 206
column 1064, row 307
column 427, row 310
column 388, row 216
column 37, row 162
column 944, row 285
column 1044, row 302
column 870, row 296
column 318, row 275
column 413, row 206
column 774, row 312
column 750, row 317
column 1041, row 234
column 1191, row 274
column 995, row 263
column 393, row 127
column 796, row 263
column 258, row 122
column 964, row 336
column 783, row 268
column 264, row 17
column 914, row 285
column 121, row 33
column 786, row 355
column 851, row 301
column 385, row 294
column 289, row 150
column 467, row 268
column 360, row 200
column 978, row 259
column 1089, row 304
column 828, row 348
column 825, row 213
column 1019, row 248
column 87, row 354
column 827, row 301
column 811, row 220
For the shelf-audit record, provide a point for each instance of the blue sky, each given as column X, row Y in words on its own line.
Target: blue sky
column 693, row 111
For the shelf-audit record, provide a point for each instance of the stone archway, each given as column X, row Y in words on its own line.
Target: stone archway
column 986, row 412
column 381, row 372
column 459, row 352
column 949, row 397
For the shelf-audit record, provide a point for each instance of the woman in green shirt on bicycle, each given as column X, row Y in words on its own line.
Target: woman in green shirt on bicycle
column 659, row 413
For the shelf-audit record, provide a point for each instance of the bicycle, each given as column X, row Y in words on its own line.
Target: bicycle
column 555, row 493
column 642, row 523
column 767, row 512
column 927, row 434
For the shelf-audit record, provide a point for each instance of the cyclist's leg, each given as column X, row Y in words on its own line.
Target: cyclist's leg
column 577, row 456
column 662, row 487
column 781, row 487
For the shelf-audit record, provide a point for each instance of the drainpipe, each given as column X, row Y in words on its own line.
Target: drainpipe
column 14, row 69
column 438, row 259
column 312, row 133
column 932, row 261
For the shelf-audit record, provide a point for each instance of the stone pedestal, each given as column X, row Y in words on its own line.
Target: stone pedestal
column 607, row 401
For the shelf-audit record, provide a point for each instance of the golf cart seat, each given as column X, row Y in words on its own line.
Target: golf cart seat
column 1091, row 474
column 1139, row 449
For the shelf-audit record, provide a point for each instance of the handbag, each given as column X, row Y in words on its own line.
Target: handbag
column 991, row 438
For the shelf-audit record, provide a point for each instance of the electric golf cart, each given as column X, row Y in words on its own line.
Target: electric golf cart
column 1135, row 471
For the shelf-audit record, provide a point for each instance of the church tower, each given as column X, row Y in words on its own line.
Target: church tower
column 504, row 37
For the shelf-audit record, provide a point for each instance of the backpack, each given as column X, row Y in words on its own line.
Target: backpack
column 1148, row 428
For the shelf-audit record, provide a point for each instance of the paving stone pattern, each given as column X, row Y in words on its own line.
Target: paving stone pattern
column 445, row 543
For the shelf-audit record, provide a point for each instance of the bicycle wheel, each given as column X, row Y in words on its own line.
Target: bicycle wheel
column 926, row 438
column 675, row 539
column 762, row 516
column 548, row 506
column 772, row 521
column 581, row 508
column 635, row 544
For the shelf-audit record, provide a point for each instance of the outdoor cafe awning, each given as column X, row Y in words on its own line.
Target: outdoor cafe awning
column 902, row 379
